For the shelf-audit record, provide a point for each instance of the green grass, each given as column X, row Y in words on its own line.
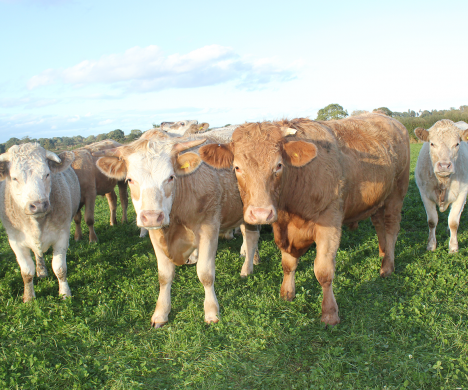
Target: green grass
column 405, row 331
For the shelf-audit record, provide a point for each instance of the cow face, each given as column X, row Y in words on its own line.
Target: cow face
column 151, row 168
column 179, row 127
column 259, row 154
column 28, row 170
column 444, row 139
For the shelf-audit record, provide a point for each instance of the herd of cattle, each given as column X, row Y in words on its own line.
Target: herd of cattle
column 189, row 185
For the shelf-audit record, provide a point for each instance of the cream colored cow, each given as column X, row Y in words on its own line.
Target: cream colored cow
column 442, row 176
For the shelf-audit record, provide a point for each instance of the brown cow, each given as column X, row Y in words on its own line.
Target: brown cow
column 93, row 183
column 308, row 178
column 184, row 204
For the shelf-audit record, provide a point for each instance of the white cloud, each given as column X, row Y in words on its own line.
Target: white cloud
column 148, row 69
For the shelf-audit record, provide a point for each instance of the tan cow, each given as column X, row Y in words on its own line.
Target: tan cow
column 442, row 176
column 307, row 178
column 184, row 204
column 39, row 195
column 94, row 183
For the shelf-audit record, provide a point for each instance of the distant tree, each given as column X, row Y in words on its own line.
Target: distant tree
column 101, row 137
column 134, row 134
column 425, row 113
column 12, row 141
column 78, row 139
column 358, row 112
column 67, row 141
column 155, row 125
column 116, row 135
column 90, row 139
column 2, row 148
column 332, row 111
column 464, row 108
column 227, row 125
column 385, row 110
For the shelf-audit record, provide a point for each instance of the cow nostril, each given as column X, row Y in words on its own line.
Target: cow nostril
column 160, row 217
column 143, row 218
column 32, row 207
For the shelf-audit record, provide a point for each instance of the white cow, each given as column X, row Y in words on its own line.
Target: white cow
column 185, row 204
column 39, row 195
column 442, row 176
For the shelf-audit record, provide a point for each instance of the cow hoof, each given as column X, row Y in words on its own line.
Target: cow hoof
column 454, row 250
column 384, row 273
column 93, row 240
column 211, row 320
column 28, row 298
column 42, row 273
column 431, row 246
column 330, row 319
column 157, row 325
column 288, row 296
column 256, row 259
column 78, row 238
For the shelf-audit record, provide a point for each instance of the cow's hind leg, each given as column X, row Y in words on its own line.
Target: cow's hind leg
column 112, row 200
column 454, row 221
column 89, row 217
column 41, row 269
column 23, row 257
column 77, row 219
column 123, row 195
column 166, row 272
column 378, row 220
column 250, row 236
column 432, row 220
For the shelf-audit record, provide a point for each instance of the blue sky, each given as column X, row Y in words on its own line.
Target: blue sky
column 80, row 67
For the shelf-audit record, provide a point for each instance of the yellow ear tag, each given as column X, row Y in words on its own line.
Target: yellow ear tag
column 201, row 128
column 290, row 131
column 296, row 155
column 185, row 166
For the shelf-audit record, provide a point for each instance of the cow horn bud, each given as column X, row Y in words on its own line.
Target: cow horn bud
column 53, row 157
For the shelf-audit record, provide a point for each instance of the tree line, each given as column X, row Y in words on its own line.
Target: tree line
column 410, row 119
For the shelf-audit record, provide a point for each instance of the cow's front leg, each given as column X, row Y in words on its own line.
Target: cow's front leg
column 432, row 220
column 41, row 269
column 59, row 264
column 328, row 241
column 23, row 257
column 166, row 272
column 454, row 221
column 288, row 287
column 250, row 236
column 206, row 269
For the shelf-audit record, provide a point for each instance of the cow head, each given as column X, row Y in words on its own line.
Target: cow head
column 151, row 167
column 178, row 128
column 444, row 139
column 260, row 153
column 28, row 170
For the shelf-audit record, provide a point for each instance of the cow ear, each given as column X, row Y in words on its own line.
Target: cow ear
column 187, row 163
column 203, row 127
column 112, row 167
column 299, row 153
column 219, row 156
column 464, row 135
column 4, row 167
column 61, row 162
column 422, row 134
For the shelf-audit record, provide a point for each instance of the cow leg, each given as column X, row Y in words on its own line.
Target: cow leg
column 243, row 249
column 288, row 287
column 23, row 257
column 166, row 272
column 208, row 245
column 78, row 231
column 454, row 221
column 143, row 232
column 378, row 220
column 41, row 269
column 123, row 195
column 112, row 200
column 250, row 235
column 432, row 220
column 89, row 217
column 328, row 241
column 59, row 264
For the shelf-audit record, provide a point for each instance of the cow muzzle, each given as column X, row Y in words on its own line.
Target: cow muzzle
column 444, row 168
column 260, row 215
column 151, row 219
column 38, row 208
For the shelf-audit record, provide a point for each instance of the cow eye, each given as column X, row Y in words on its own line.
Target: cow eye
column 279, row 166
column 458, row 144
column 171, row 178
column 129, row 180
column 182, row 124
column 47, row 175
column 432, row 144
column 237, row 169
column 14, row 179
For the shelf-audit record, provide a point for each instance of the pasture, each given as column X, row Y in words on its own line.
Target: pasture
column 409, row 330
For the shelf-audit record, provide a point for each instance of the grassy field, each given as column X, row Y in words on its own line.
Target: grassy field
column 409, row 330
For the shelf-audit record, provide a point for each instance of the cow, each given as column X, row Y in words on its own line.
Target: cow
column 442, row 176
column 462, row 125
column 39, row 195
column 307, row 178
column 93, row 183
column 184, row 204
column 178, row 129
